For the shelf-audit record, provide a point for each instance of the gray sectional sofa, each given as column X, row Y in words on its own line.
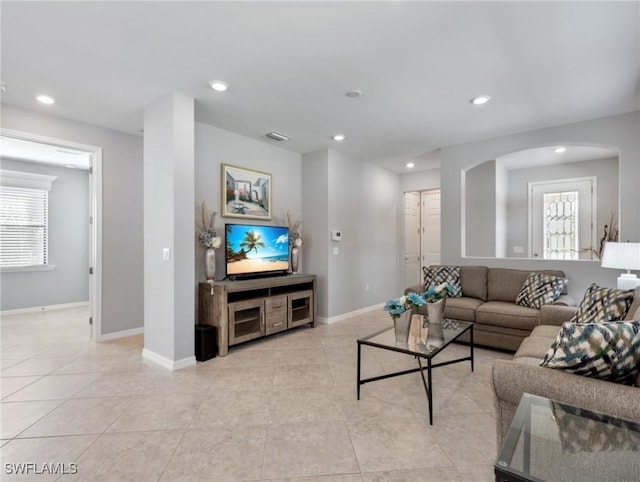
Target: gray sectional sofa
column 511, row 379
column 488, row 299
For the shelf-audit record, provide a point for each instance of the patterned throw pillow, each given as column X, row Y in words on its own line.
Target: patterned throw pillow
column 540, row 289
column 609, row 351
column 436, row 275
column 601, row 305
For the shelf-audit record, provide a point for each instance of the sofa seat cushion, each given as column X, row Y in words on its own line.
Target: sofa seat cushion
column 527, row 360
column 510, row 315
column 534, row 347
column 547, row 331
column 461, row 308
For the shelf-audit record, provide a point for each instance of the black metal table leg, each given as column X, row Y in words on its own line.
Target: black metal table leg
column 427, row 386
column 358, row 384
column 471, row 345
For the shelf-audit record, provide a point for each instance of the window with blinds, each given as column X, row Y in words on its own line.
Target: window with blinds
column 23, row 227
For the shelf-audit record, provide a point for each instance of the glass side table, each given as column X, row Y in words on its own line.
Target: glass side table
column 549, row 441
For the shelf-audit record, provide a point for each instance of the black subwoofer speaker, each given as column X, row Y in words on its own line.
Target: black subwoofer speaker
column 206, row 346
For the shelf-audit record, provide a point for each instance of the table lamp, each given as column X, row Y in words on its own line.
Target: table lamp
column 623, row 256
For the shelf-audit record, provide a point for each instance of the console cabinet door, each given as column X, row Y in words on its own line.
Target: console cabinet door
column 246, row 320
column 276, row 313
column 300, row 308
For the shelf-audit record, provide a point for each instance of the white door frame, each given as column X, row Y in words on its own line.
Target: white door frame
column 95, row 212
column 593, row 180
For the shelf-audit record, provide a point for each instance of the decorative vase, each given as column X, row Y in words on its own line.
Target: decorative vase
column 402, row 326
column 435, row 313
column 210, row 264
column 295, row 259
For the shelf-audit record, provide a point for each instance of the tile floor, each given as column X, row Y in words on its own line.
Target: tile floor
column 281, row 409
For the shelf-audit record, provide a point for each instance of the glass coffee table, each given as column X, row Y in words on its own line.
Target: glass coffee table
column 421, row 346
column 552, row 441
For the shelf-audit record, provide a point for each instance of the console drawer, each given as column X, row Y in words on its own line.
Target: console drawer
column 276, row 314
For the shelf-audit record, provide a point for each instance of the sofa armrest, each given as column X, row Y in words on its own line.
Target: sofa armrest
column 414, row 289
column 510, row 380
column 565, row 300
column 556, row 314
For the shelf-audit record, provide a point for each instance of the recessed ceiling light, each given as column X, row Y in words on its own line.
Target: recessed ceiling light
column 353, row 93
column 411, row 165
column 560, row 150
column 218, row 85
column 339, row 137
column 480, row 100
column 276, row 136
column 45, row 99
column 72, row 166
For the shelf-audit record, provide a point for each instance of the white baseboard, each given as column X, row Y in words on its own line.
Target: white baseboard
column 121, row 334
column 37, row 309
column 166, row 363
column 344, row 316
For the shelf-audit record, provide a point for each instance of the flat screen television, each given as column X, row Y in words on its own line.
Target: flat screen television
column 255, row 250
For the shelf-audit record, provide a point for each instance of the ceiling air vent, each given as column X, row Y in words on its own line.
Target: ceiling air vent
column 276, row 136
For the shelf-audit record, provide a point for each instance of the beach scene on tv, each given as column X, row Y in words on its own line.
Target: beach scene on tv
column 256, row 249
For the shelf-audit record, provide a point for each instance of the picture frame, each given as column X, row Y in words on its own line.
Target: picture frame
column 246, row 193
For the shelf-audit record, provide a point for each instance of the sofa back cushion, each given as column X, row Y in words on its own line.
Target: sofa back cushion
column 504, row 284
column 474, row 281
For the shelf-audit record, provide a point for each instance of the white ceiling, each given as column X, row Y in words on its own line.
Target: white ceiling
column 546, row 156
column 289, row 65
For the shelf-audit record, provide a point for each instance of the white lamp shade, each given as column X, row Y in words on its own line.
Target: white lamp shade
column 621, row 256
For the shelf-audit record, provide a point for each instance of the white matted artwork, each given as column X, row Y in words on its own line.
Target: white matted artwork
column 245, row 193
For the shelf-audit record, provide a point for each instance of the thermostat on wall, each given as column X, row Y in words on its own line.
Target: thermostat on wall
column 336, row 235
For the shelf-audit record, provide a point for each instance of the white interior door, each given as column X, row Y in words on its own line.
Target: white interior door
column 562, row 218
column 411, row 238
column 430, row 201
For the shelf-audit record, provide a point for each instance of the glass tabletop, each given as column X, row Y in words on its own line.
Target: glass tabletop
column 424, row 340
column 553, row 441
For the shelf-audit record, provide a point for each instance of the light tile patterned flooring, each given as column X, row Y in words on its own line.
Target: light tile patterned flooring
column 282, row 409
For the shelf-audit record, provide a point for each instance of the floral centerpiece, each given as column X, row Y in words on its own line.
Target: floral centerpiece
column 398, row 306
column 402, row 309
column 415, row 300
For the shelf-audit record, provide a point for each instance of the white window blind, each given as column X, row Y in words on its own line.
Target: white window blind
column 23, row 227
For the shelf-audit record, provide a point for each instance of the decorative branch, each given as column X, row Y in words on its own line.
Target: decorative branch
column 294, row 230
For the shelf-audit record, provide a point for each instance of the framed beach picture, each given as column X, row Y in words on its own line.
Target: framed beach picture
column 245, row 193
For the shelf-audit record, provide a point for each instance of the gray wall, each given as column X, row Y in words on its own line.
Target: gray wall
column 420, row 181
column 122, row 252
column 168, row 224
column 361, row 201
column 215, row 147
column 618, row 131
column 480, row 210
column 315, row 212
column 68, row 244
column 606, row 172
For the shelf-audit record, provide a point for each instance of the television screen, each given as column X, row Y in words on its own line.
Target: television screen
column 253, row 249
